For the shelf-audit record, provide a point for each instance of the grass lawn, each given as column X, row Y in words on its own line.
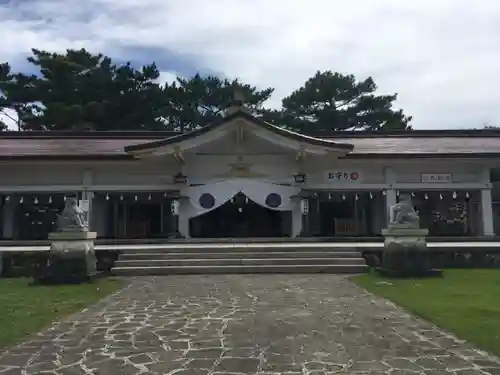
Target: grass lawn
column 464, row 302
column 26, row 309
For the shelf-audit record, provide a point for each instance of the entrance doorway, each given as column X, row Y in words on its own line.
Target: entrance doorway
column 240, row 217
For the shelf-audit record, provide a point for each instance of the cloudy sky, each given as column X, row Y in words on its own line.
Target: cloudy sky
column 441, row 56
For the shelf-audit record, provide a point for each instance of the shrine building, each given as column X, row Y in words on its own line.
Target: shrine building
column 242, row 177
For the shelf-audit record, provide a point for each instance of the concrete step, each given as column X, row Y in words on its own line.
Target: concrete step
column 203, row 270
column 238, row 255
column 238, row 262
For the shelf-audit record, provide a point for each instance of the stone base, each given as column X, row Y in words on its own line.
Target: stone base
column 405, row 253
column 400, row 274
column 414, row 237
column 71, row 258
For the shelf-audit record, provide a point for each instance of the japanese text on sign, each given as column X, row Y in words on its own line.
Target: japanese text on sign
column 443, row 177
column 343, row 176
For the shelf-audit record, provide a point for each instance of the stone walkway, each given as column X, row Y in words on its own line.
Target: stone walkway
column 204, row 325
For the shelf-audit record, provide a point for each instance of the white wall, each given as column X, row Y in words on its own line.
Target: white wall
column 202, row 166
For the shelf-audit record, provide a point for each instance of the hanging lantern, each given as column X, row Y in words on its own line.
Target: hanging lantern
column 454, row 195
column 343, row 197
column 397, row 193
column 412, row 194
column 299, row 178
column 50, row 199
column 21, row 200
column 107, row 196
column 35, row 200
column 467, row 195
column 441, row 196
column 179, row 178
column 384, row 192
column 149, row 197
column 121, row 197
column 329, row 196
column 174, row 207
column 135, row 198
column 426, row 196
column 356, row 197
column 164, row 194
column 246, row 200
column 65, row 198
column 240, row 209
column 371, row 195
column 7, row 198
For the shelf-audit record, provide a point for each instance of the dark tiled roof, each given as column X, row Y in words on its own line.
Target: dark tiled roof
column 97, row 145
column 424, row 145
column 79, row 147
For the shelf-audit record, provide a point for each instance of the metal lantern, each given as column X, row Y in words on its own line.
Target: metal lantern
column 179, row 178
column 299, row 178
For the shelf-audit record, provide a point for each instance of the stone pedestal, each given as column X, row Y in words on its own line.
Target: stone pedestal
column 406, row 253
column 71, row 257
column 403, row 236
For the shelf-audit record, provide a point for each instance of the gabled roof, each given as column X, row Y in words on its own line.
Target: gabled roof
column 111, row 145
column 240, row 114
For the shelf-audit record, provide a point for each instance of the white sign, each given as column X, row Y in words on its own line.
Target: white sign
column 343, row 176
column 304, row 206
column 438, row 177
column 84, row 205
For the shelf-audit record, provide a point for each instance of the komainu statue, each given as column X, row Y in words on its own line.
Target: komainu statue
column 403, row 214
column 72, row 219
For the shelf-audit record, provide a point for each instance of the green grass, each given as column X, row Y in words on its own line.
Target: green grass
column 464, row 302
column 26, row 309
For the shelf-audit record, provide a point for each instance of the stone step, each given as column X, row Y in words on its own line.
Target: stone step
column 236, row 248
column 239, row 269
column 238, row 262
column 238, row 255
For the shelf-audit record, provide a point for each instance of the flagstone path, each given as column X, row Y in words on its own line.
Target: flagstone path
column 254, row 324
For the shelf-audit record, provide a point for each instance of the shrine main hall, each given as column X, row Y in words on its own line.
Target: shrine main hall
column 242, row 177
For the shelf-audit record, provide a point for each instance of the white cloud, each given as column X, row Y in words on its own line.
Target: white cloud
column 441, row 56
column 167, row 77
column 9, row 118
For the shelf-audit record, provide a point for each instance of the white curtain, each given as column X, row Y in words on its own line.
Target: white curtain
column 224, row 191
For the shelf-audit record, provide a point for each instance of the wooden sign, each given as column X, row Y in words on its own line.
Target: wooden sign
column 343, row 176
column 84, row 205
column 436, row 177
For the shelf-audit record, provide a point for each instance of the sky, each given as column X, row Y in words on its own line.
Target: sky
column 442, row 57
